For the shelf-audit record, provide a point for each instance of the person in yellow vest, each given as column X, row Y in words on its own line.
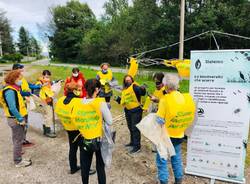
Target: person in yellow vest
column 131, row 101
column 152, row 101
column 63, row 109
column 105, row 76
column 26, row 92
column 46, row 95
column 15, row 111
column 89, row 116
column 176, row 112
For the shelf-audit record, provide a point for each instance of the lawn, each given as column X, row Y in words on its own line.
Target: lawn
column 64, row 72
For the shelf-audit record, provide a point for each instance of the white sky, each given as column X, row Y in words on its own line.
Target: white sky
column 28, row 13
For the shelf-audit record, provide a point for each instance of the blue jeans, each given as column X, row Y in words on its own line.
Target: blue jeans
column 176, row 162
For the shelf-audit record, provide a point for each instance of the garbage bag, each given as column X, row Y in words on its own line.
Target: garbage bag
column 31, row 104
column 107, row 145
column 56, row 87
column 157, row 134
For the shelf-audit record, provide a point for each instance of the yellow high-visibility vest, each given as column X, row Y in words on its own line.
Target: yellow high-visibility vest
column 105, row 79
column 129, row 99
column 25, row 85
column 178, row 110
column 64, row 113
column 19, row 102
column 88, row 118
column 157, row 93
column 46, row 92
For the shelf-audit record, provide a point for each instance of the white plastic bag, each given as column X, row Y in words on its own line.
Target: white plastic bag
column 31, row 105
column 107, row 145
column 56, row 87
column 156, row 134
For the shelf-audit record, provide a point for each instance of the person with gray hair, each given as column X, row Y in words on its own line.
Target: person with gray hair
column 171, row 81
column 176, row 112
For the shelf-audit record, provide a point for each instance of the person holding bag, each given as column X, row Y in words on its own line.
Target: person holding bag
column 89, row 115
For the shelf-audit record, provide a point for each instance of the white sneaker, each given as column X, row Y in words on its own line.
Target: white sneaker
column 24, row 163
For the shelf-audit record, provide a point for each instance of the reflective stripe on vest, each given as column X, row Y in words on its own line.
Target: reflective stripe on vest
column 20, row 105
column 180, row 112
column 129, row 99
column 64, row 113
column 88, row 118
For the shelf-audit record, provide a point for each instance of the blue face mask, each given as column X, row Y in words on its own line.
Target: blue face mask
column 104, row 71
column 19, row 83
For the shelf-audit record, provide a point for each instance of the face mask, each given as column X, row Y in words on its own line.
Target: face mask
column 75, row 74
column 19, row 83
column 104, row 71
column 77, row 93
column 127, row 84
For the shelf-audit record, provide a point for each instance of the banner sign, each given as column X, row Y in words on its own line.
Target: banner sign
column 220, row 81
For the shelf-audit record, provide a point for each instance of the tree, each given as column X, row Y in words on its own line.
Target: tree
column 71, row 23
column 5, row 33
column 35, row 47
column 24, row 42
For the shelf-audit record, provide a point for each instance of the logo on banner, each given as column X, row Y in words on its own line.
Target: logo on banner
column 200, row 112
column 198, row 64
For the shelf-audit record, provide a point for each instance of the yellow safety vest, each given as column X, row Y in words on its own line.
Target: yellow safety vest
column 46, row 92
column 88, row 118
column 157, row 93
column 178, row 110
column 129, row 99
column 19, row 102
column 105, row 79
column 64, row 113
column 25, row 85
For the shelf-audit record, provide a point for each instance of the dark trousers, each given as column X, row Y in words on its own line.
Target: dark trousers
column 17, row 138
column 133, row 118
column 73, row 147
column 25, row 128
column 86, row 159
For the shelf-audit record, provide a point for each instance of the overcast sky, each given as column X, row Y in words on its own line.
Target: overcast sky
column 28, row 13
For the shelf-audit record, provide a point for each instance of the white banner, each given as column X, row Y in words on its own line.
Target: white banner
column 220, row 81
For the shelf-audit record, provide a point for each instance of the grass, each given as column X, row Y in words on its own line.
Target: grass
column 63, row 72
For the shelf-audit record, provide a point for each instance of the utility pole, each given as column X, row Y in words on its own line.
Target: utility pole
column 1, row 50
column 182, row 19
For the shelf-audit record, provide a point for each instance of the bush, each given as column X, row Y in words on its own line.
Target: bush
column 17, row 57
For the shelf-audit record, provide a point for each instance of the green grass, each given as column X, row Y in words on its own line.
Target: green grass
column 63, row 72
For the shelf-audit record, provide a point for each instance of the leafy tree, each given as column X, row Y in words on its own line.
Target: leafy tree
column 5, row 33
column 24, row 42
column 71, row 23
column 35, row 47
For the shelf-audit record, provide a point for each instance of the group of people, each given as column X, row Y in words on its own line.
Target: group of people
column 84, row 112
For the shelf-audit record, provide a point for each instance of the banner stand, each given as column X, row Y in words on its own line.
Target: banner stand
column 212, row 180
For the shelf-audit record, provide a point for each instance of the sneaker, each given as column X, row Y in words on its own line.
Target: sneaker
column 135, row 150
column 129, row 145
column 24, row 163
column 27, row 144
